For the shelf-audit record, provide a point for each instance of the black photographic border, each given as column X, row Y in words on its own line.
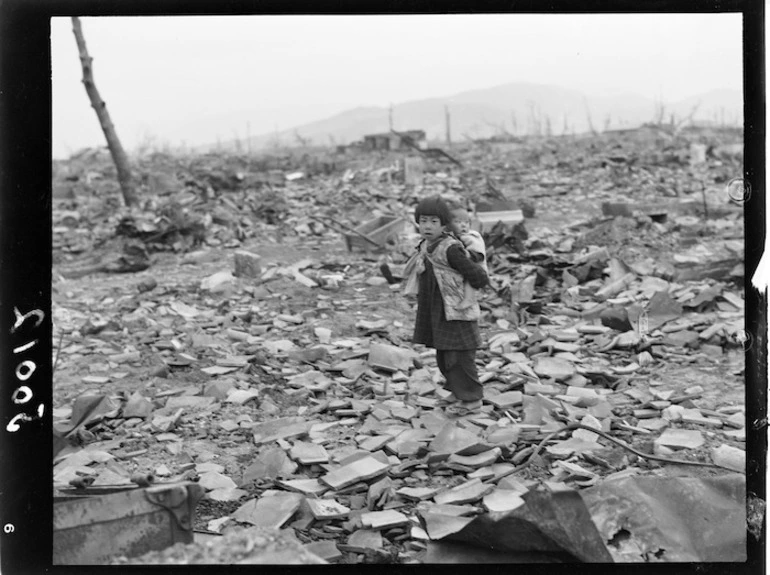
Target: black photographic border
column 25, row 248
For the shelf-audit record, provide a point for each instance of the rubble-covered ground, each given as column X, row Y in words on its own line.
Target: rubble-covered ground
column 286, row 384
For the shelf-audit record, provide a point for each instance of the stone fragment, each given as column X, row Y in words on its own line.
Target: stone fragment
column 366, row 468
column 737, row 434
column 661, row 309
column 513, row 484
column 476, row 461
column 326, row 508
column 283, row 428
column 572, row 445
column 207, row 466
column 375, row 443
column 507, row 435
column 97, row 379
column 227, row 494
column 673, row 413
column 216, row 370
column 554, row 367
column 447, row 509
column 218, row 282
column 574, row 469
column 452, row 439
column 729, row 457
column 405, row 413
column 601, row 410
column 137, row 406
column 304, row 486
column 505, row 400
column 417, row 493
column 270, row 464
column 308, row 453
column 584, row 434
column 646, row 413
column 502, row 501
column 439, row 525
column 247, row 264
column 241, row 396
column 695, row 417
column 680, row 439
column 737, row 420
column 326, row 550
column 467, row 492
column 615, row 318
column 164, row 423
column 383, row 519
column 655, row 424
column 582, row 392
column 683, row 338
column 269, row 511
column 127, row 357
column 535, row 388
column 364, row 540
column 390, row 357
column 218, row 389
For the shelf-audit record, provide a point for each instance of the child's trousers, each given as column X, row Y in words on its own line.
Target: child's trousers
column 459, row 369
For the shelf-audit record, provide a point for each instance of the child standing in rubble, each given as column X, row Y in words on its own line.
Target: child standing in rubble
column 443, row 267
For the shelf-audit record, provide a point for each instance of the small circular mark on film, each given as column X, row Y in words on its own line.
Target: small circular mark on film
column 743, row 338
column 738, row 190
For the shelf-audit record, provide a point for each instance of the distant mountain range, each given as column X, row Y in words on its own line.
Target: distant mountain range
column 517, row 109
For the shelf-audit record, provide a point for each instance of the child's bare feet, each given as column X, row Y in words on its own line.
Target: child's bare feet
column 449, row 400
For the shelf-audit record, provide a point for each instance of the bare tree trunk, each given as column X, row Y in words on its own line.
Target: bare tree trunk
column 125, row 180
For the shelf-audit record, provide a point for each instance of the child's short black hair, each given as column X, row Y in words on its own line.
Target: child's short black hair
column 433, row 206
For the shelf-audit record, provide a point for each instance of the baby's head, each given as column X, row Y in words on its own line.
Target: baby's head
column 459, row 221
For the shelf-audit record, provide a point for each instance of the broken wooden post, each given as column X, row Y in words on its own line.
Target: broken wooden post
column 122, row 166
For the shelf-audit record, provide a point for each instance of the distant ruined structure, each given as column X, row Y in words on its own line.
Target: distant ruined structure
column 392, row 141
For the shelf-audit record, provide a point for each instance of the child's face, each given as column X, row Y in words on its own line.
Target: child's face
column 431, row 227
column 461, row 222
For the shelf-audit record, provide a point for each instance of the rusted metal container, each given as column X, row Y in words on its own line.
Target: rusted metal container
column 94, row 525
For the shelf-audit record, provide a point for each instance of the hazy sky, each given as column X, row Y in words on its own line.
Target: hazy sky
column 173, row 79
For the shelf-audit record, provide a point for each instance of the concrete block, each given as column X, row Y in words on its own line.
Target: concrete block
column 247, row 264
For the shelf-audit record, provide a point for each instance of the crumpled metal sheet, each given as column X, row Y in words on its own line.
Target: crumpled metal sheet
column 557, row 524
column 671, row 519
column 632, row 519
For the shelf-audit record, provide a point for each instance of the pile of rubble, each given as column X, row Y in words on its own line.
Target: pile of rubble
column 291, row 394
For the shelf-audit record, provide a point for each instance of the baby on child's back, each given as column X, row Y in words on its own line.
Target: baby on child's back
column 473, row 242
